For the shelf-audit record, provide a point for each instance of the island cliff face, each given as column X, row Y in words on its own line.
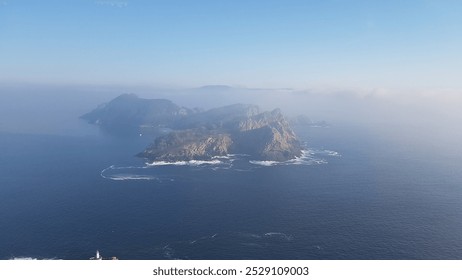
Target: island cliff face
column 267, row 136
column 234, row 129
column 191, row 144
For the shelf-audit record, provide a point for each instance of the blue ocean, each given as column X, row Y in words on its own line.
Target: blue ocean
column 358, row 192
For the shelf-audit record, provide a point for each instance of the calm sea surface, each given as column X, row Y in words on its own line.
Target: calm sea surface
column 360, row 194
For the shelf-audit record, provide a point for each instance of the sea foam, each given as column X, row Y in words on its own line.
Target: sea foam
column 236, row 162
column 125, row 176
column 307, row 157
column 189, row 163
column 122, row 177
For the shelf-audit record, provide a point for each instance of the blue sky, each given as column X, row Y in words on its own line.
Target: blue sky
column 251, row 43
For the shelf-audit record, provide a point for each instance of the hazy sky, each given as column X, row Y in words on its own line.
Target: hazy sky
column 249, row 43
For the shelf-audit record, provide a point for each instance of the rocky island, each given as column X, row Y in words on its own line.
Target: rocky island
column 202, row 135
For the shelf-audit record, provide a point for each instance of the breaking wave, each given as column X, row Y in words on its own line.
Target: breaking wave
column 327, row 153
column 123, row 176
column 235, row 162
column 30, row 259
column 308, row 157
column 189, row 163
column 264, row 162
column 216, row 160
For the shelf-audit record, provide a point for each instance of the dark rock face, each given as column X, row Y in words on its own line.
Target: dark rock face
column 202, row 135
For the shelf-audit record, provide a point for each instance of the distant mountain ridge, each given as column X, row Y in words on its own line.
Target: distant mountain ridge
column 202, row 135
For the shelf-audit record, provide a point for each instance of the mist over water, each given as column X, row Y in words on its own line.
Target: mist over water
column 22, row 104
column 388, row 186
column 410, row 118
